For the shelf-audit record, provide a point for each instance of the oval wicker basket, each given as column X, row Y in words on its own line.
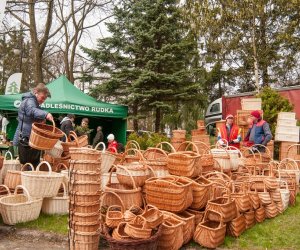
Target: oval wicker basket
column 156, row 158
column 18, row 208
column 130, row 196
column 84, row 153
column 84, row 165
column 44, row 136
column 42, row 184
column 58, row 204
column 153, row 217
column 57, row 150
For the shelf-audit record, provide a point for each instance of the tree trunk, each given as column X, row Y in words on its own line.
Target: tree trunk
column 264, row 63
column 157, row 119
column 135, row 120
column 38, row 71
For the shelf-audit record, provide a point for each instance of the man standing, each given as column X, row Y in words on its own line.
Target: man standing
column 67, row 125
column 230, row 132
column 259, row 133
column 98, row 137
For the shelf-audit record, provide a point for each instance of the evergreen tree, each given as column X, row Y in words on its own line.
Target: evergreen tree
column 148, row 60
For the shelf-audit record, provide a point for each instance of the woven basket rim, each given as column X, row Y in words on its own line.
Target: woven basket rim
column 14, row 196
column 42, row 174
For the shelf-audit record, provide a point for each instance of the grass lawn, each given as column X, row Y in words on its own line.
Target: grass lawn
column 282, row 232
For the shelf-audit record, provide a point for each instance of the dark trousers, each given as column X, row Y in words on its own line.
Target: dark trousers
column 28, row 154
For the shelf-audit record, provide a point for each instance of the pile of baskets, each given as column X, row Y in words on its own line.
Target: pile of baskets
column 39, row 187
column 84, row 192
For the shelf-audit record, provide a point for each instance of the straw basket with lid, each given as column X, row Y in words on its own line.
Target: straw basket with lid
column 19, row 208
column 42, row 184
column 44, row 136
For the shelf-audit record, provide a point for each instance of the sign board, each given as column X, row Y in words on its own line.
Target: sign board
column 13, row 84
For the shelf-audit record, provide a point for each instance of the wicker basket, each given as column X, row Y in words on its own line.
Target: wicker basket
column 107, row 161
column 56, row 151
column 222, row 156
column 198, row 215
column 285, row 194
column 201, row 192
column 119, row 233
column 189, row 225
column 172, row 233
column 134, row 244
column 132, row 144
column 81, row 141
column 134, row 172
column 85, row 226
column 44, row 136
column 42, row 184
column 265, row 197
column 80, row 175
column 84, row 165
column 82, row 197
column 242, row 200
column 84, row 153
column 184, row 164
column 58, row 204
column 170, row 193
column 153, row 217
column 271, row 210
column 69, row 143
column 156, row 158
column 9, row 165
column 20, row 208
column 208, row 233
column 137, row 229
column 84, row 217
column 130, row 196
column 260, row 214
column 114, row 216
column 132, row 212
column 224, row 206
column 254, row 199
column 13, row 177
column 237, row 226
column 250, row 218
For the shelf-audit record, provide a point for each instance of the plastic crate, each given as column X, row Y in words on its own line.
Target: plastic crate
column 287, row 115
column 251, row 104
column 287, row 130
column 286, row 122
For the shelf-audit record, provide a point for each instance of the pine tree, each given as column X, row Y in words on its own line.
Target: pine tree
column 148, row 59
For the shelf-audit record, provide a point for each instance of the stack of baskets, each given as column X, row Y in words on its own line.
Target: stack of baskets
column 178, row 138
column 84, row 190
column 9, row 165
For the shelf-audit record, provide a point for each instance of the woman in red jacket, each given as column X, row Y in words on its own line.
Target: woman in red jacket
column 112, row 144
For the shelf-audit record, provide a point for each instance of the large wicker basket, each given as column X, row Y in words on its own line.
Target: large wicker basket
column 156, row 158
column 42, row 184
column 107, row 159
column 201, row 192
column 19, row 208
column 170, row 193
column 84, row 153
column 44, row 136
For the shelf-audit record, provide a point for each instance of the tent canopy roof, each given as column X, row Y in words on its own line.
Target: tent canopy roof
column 66, row 98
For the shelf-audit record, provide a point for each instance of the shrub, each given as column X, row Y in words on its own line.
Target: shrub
column 147, row 140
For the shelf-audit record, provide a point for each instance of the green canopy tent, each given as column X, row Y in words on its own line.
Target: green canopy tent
column 66, row 98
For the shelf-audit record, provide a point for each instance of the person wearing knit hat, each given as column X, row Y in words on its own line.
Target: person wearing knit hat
column 259, row 133
column 112, row 144
column 229, row 132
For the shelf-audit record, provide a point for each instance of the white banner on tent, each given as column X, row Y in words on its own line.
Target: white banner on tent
column 2, row 9
column 13, row 84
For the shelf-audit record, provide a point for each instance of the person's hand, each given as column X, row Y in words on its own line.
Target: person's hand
column 236, row 141
column 221, row 142
column 49, row 117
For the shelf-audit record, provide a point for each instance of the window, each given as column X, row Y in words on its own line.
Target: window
column 215, row 108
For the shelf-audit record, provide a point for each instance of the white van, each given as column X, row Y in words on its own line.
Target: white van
column 213, row 112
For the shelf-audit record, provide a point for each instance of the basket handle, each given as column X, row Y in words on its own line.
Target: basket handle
column 6, row 189
column 48, row 165
column 186, row 144
column 65, row 189
column 74, row 136
column 285, row 184
column 126, row 170
column 216, row 173
column 215, row 212
column 53, row 125
column 24, row 190
column 27, row 164
column 10, row 154
column 218, row 145
column 289, row 159
column 136, row 151
column 133, row 143
column 291, row 146
column 156, row 150
column 160, row 145
column 105, row 193
column 64, row 135
column 235, row 148
column 267, row 149
column 101, row 143
column 61, row 166
column 207, row 148
column 115, row 206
